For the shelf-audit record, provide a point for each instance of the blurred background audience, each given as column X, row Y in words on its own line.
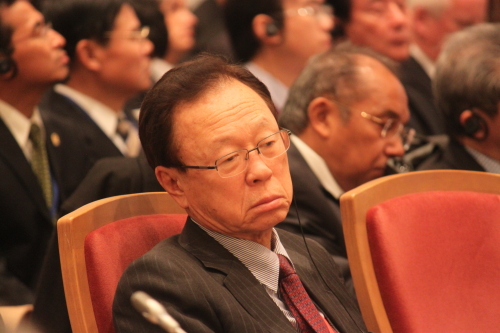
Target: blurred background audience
column 81, row 84
column 467, row 91
column 431, row 22
column 275, row 38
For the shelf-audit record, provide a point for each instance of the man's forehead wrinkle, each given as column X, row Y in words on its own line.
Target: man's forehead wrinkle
column 240, row 109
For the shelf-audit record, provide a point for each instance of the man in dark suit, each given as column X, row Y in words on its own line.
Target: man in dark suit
column 431, row 22
column 466, row 90
column 346, row 111
column 31, row 162
column 108, row 177
column 109, row 65
column 226, row 271
column 275, row 38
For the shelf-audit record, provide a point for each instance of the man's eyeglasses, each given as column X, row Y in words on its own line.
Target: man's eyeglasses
column 392, row 127
column 236, row 162
column 41, row 30
column 135, row 35
column 315, row 10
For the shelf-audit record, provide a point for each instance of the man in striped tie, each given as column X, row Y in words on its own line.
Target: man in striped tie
column 216, row 147
column 31, row 186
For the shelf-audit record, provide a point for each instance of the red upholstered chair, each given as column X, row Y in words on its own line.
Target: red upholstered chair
column 99, row 240
column 424, row 251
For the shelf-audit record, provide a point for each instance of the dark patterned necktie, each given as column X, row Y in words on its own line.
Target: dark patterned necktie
column 123, row 128
column 308, row 318
column 40, row 163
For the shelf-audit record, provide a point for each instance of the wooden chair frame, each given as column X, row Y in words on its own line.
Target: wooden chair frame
column 74, row 227
column 354, row 205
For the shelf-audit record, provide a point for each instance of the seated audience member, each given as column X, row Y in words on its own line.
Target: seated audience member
column 172, row 34
column 174, row 17
column 181, row 26
column 431, row 22
column 381, row 25
column 466, row 88
column 346, row 111
column 109, row 64
column 275, row 38
column 217, row 149
column 108, row 177
column 211, row 32
column 34, row 178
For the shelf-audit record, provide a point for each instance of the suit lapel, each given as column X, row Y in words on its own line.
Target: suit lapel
column 239, row 281
column 330, row 297
column 14, row 157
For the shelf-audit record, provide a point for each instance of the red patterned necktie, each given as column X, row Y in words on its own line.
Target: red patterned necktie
column 308, row 318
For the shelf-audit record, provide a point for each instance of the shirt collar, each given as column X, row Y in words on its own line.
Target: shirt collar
column 318, row 167
column 159, row 67
column 19, row 125
column 489, row 164
column 260, row 261
column 277, row 89
column 103, row 116
column 427, row 64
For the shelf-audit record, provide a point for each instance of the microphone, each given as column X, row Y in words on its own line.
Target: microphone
column 154, row 312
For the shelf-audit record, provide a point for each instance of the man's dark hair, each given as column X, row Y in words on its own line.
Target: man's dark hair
column 185, row 84
column 342, row 12
column 149, row 13
column 7, row 64
column 82, row 19
column 239, row 15
column 5, row 30
column 468, row 75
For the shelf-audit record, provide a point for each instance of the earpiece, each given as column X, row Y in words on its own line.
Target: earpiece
column 474, row 124
column 6, row 64
column 271, row 29
column 8, row 68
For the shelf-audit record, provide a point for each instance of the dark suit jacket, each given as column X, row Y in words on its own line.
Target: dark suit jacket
column 109, row 177
column 454, row 156
column 26, row 222
column 318, row 210
column 206, row 289
column 425, row 117
column 94, row 144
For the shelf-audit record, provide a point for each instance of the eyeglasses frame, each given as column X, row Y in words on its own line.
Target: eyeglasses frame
column 212, row 167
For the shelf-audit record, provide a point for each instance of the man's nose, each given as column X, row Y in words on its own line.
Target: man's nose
column 394, row 146
column 397, row 15
column 257, row 168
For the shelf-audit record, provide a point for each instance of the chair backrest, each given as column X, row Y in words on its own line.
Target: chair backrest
column 99, row 240
column 422, row 248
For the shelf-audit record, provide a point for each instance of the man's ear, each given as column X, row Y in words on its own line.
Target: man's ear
column 89, row 53
column 474, row 124
column 321, row 112
column 423, row 21
column 170, row 181
column 265, row 29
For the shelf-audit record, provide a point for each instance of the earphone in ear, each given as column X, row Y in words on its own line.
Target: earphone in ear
column 474, row 124
column 271, row 29
column 5, row 64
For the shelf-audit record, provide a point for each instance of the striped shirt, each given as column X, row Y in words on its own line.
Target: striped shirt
column 260, row 261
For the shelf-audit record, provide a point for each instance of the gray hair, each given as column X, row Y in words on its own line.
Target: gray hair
column 435, row 7
column 333, row 74
column 468, row 74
